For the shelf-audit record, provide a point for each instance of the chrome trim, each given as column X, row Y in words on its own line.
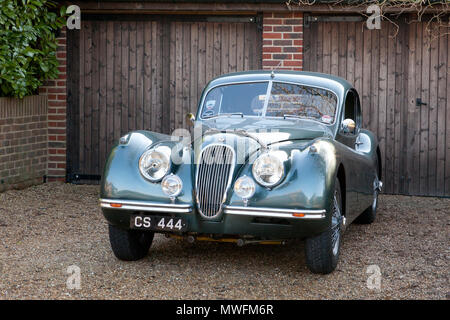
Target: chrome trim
column 274, row 212
column 205, row 189
column 339, row 101
column 136, row 205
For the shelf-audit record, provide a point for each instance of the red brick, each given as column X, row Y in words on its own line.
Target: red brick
column 267, row 56
column 293, row 21
column 271, row 49
column 56, row 131
column 57, row 158
column 57, row 117
column 282, row 56
column 271, row 35
column 270, row 63
column 272, row 21
column 267, row 29
column 57, row 103
column 57, row 124
column 61, row 165
column 292, row 49
column 293, row 63
column 295, row 35
column 56, row 90
column 62, row 97
column 282, row 28
column 282, row 42
column 283, row 15
column 61, row 55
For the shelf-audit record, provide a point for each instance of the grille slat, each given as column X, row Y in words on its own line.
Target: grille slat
column 213, row 177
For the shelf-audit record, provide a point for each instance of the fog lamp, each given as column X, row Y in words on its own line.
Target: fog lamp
column 244, row 187
column 171, row 185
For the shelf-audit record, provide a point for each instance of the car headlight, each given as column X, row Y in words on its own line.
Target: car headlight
column 244, row 187
column 171, row 185
column 268, row 168
column 155, row 163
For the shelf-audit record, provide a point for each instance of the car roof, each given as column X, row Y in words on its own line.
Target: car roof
column 326, row 81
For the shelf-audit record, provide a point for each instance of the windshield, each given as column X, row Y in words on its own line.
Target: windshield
column 285, row 100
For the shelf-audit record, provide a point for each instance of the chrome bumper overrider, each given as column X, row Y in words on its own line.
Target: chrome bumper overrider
column 275, row 213
column 145, row 206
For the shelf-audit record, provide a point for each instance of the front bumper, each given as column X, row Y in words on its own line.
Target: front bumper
column 236, row 220
column 135, row 205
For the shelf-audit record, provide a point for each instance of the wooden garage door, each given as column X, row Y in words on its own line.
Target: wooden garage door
column 391, row 70
column 145, row 74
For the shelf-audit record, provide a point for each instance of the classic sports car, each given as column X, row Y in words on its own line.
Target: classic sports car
column 274, row 156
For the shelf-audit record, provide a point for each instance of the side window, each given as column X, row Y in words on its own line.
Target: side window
column 358, row 113
column 350, row 106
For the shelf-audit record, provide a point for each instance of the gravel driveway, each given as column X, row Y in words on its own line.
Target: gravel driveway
column 47, row 228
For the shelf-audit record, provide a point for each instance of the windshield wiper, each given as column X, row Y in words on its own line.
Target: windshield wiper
column 249, row 135
column 225, row 114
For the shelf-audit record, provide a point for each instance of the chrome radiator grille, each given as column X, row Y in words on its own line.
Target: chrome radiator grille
column 214, row 171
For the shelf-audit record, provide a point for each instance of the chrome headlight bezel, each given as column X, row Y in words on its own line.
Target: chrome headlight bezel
column 161, row 153
column 276, row 160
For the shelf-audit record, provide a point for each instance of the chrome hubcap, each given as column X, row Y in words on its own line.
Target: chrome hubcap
column 336, row 220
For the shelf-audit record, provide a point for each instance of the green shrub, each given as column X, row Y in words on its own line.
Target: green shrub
column 28, row 45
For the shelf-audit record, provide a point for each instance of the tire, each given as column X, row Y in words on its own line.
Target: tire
column 322, row 251
column 129, row 245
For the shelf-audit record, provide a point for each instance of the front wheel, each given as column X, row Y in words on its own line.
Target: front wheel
column 129, row 245
column 322, row 251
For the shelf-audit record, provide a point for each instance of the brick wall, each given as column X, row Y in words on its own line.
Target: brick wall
column 23, row 142
column 283, row 41
column 56, row 92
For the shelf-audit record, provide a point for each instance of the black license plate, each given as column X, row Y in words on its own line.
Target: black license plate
column 157, row 223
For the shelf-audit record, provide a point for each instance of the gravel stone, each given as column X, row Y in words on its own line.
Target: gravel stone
column 47, row 228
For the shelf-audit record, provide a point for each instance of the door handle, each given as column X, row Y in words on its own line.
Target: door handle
column 420, row 103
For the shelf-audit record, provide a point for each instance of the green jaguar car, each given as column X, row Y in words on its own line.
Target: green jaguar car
column 271, row 156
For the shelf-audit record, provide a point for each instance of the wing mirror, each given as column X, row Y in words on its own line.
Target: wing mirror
column 348, row 126
column 190, row 118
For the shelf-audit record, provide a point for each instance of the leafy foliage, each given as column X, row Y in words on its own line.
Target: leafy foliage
column 27, row 45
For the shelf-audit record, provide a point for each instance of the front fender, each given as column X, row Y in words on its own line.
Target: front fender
column 122, row 179
column 308, row 183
